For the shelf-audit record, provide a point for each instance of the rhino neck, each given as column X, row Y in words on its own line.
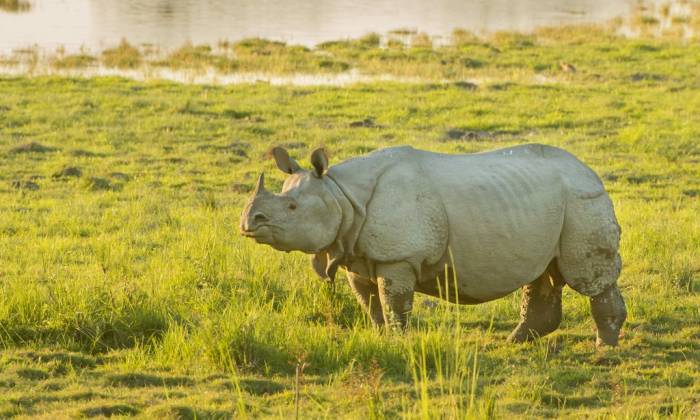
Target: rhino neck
column 337, row 252
column 352, row 184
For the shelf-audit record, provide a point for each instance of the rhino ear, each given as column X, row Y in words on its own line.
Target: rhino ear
column 319, row 159
column 283, row 161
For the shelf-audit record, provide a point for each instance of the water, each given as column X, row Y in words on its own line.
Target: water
column 97, row 24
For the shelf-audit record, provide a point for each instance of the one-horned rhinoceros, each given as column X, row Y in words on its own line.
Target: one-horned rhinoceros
column 469, row 228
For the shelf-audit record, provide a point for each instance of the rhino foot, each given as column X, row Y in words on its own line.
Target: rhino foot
column 540, row 310
column 522, row 333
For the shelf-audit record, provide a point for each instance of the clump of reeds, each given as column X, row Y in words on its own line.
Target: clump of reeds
column 124, row 56
column 15, row 6
column 73, row 61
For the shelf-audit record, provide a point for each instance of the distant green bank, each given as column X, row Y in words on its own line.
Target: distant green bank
column 126, row 290
column 552, row 53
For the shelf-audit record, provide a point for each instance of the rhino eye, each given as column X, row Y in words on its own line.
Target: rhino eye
column 292, row 206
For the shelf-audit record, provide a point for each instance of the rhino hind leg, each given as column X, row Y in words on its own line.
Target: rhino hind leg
column 609, row 313
column 588, row 248
column 590, row 262
column 540, row 310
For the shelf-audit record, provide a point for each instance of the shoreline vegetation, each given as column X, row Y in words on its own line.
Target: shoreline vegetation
column 125, row 289
column 545, row 55
column 15, row 6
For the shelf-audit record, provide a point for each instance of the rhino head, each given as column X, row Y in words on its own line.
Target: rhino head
column 305, row 216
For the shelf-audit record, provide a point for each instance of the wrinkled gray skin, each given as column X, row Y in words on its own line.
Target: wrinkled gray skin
column 466, row 228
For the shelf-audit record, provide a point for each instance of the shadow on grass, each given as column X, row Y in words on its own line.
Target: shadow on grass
column 110, row 410
column 29, row 401
column 184, row 412
column 32, row 374
column 142, row 380
column 75, row 360
column 32, row 147
column 257, row 386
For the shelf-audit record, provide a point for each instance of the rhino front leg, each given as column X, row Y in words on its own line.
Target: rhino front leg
column 367, row 295
column 396, row 284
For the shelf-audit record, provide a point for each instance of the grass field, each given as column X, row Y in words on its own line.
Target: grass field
column 126, row 290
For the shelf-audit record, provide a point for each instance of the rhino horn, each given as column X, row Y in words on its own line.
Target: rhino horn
column 260, row 187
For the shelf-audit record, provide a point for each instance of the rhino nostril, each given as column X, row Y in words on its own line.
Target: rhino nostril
column 259, row 218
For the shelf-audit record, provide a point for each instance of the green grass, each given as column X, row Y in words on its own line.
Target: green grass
column 126, row 290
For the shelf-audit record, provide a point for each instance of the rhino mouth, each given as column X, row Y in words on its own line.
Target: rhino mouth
column 260, row 234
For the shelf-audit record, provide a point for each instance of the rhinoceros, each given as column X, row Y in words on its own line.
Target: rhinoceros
column 469, row 228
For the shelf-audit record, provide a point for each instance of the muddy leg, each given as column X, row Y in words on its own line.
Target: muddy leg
column 609, row 313
column 367, row 295
column 396, row 283
column 540, row 310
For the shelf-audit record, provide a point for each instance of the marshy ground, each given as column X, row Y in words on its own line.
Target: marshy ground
column 126, row 290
